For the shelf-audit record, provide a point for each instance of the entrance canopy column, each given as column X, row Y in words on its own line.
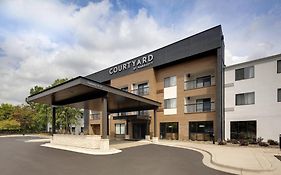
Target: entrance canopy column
column 54, row 120
column 104, row 119
column 155, row 135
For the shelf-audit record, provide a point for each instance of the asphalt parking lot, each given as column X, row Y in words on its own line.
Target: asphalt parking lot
column 18, row 157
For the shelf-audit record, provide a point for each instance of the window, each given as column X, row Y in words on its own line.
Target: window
column 244, row 73
column 279, row 95
column 73, row 129
column 170, row 103
column 203, row 81
column 170, row 81
column 82, row 129
column 143, row 89
column 203, row 105
column 245, row 99
column 279, row 66
column 120, row 128
column 243, row 129
column 202, row 130
column 169, row 130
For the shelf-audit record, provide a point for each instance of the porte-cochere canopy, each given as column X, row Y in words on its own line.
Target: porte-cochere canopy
column 80, row 92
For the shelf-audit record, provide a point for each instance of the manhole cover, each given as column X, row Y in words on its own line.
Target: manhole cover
column 278, row 157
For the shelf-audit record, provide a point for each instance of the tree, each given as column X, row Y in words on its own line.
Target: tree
column 42, row 111
column 65, row 115
column 6, row 111
column 25, row 116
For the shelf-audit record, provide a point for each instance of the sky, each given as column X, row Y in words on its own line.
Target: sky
column 41, row 41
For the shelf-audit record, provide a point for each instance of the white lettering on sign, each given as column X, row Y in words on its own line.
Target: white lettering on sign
column 133, row 64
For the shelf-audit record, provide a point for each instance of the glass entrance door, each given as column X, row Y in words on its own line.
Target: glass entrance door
column 139, row 130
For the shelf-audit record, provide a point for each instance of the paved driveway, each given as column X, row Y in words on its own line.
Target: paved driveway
column 18, row 157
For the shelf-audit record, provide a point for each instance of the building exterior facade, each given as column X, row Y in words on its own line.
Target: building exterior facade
column 253, row 99
column 186, row 77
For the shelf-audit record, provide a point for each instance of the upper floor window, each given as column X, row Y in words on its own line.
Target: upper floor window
column 170, row 103
column 203, row 81
column 279, row 95
column 244, row 73
column 245, row 98
column 143, row 89
column 170, row 81
column 279, row 66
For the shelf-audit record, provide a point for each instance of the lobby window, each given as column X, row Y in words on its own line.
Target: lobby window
column 279, row 66
column 169, row 130
column 279, row 95
column 170, row 81
column 244, row 73
column 245, row 98
column 170, row 103
column 243, row 129
column 201, row 130
column 120, row 128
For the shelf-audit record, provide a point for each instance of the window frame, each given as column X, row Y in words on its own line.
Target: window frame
column 170, row 84
column 279, row 68
column 244, row 101
column 244, row 69
column 120, row 129
column 166, row 106
column 279, row 95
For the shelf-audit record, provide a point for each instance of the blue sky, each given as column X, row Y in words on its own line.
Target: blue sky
column 44, row 40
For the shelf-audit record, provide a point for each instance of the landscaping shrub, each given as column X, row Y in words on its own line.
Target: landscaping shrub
column 253, row 141
column 264, row 144
column 234, row 141
column 272, row 142
column 244, row 143
column 222, row 143
column 259, row 140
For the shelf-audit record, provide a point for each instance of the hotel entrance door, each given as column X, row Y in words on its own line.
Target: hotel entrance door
column 139, row 130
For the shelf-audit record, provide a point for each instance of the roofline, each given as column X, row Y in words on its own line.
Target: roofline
column 268, row 58
column 218, row 26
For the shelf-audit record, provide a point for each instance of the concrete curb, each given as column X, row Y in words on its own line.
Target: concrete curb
column 208, row 161
column 82, row 150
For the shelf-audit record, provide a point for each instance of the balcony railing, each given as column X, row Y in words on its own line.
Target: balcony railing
column 141, row 91
column 199, row 83
column 200, row 107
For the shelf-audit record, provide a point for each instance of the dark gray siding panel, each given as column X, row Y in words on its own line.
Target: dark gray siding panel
column 196, row 44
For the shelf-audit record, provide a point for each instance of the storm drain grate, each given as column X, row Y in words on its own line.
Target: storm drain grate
column 278, row 157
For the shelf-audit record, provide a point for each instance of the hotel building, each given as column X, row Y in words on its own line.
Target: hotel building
column 174, row 92
column 186, row 77
column 253, row 99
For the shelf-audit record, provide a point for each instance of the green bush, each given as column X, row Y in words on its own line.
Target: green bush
column 9, row 124
column 244, row 143
column 272, row 142
column 264, row 144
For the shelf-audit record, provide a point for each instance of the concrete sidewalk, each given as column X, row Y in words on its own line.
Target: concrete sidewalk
column 234, row 159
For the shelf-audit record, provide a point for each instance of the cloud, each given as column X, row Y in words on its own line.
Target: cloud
column 93, row 37
column 41, row 41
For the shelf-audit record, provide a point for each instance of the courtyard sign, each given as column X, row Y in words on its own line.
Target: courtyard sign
column 132, row 64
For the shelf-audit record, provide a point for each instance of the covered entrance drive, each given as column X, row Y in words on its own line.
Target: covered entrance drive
column 85, row 93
